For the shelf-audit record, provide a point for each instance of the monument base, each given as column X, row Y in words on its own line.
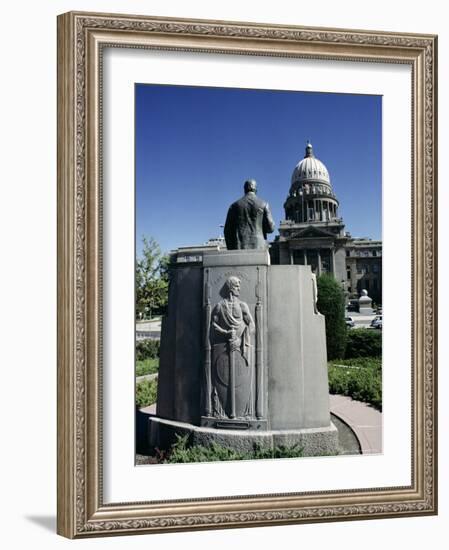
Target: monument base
column 313, row 441
column 366, row 311
column 270, row 388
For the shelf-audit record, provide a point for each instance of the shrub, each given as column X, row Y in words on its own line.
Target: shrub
column 181, row 452
column 359, row 378
column 364, row 342
column 146, row 349
column 146, row 393
column 331, row 304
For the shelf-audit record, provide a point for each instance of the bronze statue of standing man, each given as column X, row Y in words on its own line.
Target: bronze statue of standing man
column 248, row 221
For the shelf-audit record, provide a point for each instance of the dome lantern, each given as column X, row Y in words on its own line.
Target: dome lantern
column 309, row 150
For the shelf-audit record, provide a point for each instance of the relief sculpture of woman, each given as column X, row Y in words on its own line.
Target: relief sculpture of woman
column 231, row 332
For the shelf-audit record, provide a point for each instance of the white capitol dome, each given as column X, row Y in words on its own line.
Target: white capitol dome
column 310, row 169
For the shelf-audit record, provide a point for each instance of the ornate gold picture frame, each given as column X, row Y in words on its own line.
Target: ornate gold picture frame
column 82, row 40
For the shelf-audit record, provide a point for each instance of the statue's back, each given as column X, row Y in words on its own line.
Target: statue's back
column 247, row 224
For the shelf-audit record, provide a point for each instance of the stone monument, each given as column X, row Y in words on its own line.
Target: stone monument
column 243, row 347
column 365, row 303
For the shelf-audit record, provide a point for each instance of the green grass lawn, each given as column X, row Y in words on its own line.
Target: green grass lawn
column 147, row 366
column 146, row 393
column 359, row 378
column 146, row 390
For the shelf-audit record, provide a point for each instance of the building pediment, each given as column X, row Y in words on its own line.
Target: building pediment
column 311, row 233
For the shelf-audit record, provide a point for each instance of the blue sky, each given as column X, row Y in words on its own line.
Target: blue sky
column 196, row 146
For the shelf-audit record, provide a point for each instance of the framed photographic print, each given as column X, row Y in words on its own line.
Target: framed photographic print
column 247, row 274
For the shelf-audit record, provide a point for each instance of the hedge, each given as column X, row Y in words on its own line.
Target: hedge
column 364, row 342
column 147, row 349
column 331, row 304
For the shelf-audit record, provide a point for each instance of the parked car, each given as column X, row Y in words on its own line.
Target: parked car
column 353, row 305
column 379, row 325
column 349, row 322
column 377, row 322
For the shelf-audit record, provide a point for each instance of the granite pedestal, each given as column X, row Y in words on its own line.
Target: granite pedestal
column 243, row 356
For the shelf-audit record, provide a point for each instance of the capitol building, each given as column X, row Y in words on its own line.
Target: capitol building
column 314, row 234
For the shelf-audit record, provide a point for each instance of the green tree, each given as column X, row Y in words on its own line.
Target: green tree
column 151, row 279
column 331, row 303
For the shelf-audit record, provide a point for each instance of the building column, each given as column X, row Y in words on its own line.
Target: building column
column 319, row 269
column 333, row 260
column 305, row 256
column 291, row 256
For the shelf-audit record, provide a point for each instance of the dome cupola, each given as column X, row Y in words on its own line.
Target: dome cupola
column 310, row 169
column 311, row 198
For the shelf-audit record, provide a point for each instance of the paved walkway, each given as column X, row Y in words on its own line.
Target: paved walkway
column 364, row 420
column 151, row 409
column 146, row 377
